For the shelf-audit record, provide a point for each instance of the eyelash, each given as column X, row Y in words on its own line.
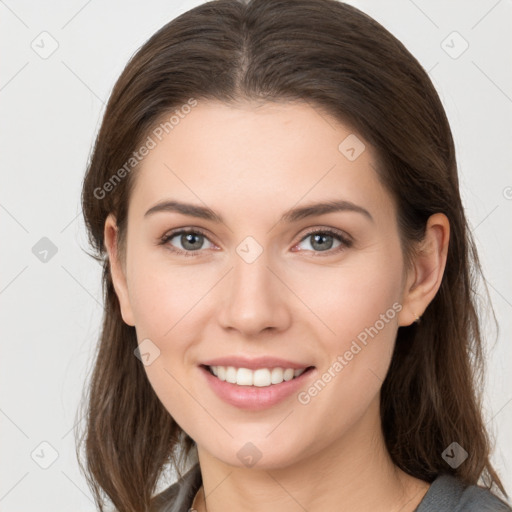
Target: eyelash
column 345, row 241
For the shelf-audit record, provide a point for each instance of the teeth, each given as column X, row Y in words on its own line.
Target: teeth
column 262, row 377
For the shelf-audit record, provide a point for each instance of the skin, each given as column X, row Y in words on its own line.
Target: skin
column 250, row 163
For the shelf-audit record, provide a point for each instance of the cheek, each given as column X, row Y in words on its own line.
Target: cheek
column 360, row 307
column 357, row 308
column 164, row 296
column 171, row 306
column 353, row 296
column 166, row 301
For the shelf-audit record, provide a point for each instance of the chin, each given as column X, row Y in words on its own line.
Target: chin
column 261, row 452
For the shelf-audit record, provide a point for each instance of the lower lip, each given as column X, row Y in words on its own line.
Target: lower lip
column 254, row 397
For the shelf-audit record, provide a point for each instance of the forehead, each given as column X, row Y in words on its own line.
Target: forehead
column 255, row 156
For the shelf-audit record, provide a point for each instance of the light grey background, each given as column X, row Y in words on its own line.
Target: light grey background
column 50, row 110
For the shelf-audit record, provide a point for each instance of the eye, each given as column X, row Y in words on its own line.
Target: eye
column 321, row 241
column 190, row 240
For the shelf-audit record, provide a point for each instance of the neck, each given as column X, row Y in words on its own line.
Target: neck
column 353, row 474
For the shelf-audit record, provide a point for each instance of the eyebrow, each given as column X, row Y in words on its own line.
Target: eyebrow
column 292, row 215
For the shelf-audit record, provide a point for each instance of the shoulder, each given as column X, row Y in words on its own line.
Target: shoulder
column 448, row 493
column 179, row 496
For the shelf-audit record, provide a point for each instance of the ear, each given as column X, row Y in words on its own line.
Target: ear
column 424, row 278
column 117, row 270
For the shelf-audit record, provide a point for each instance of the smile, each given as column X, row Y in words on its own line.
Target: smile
column 258, row 388
column 261, row 377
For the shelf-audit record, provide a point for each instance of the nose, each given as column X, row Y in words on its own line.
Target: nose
column 254, row 298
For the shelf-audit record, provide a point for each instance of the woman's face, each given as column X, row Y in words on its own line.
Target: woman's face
column 310, row 289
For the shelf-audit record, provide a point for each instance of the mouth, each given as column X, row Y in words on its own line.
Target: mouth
column 259, row 377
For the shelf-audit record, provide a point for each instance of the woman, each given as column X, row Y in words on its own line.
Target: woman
column 288, row 274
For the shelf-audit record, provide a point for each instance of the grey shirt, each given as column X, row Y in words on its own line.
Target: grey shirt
column 446, row 494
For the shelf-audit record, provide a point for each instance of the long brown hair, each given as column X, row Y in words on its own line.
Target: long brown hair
column 343, row 63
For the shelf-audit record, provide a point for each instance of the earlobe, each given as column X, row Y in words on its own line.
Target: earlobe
column 116, row 269
column 424, row 279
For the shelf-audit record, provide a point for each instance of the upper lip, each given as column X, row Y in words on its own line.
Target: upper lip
column 254, row 363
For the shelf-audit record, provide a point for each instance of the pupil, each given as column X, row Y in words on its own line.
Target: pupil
column 188, row 239
column 316, row 238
